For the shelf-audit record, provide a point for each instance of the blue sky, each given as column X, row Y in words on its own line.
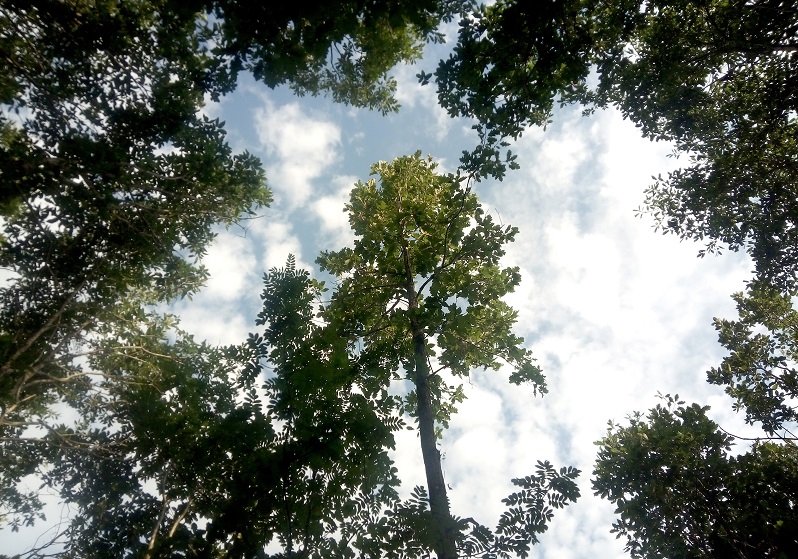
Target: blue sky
column 613, row 311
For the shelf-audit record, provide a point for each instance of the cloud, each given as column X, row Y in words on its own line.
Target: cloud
column 279, row 241
column 335, row 231
column 423, row 101
column 299, row 148
column 223, row 311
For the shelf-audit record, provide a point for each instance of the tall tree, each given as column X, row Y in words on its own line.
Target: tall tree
column 419, row 295
column 180, row 448
column 715, row 77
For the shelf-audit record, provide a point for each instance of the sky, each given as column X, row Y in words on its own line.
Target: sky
column 614, row 311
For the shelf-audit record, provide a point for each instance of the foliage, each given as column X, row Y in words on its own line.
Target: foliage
column 335, row 475
column 510, row 62
column 427, row 253
column 154, row 448
column 760, row 371
column 111, row 178
column 180, row 449
column 344, row 47
column 679, row 492
column 717, row 78
column 528, row 514
column 111, row 181
column 112, row 184
column 678, row 489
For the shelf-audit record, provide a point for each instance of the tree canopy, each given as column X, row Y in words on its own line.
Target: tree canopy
column 185, row 448
column 679, row 492
column 112, row 185
column 760, row 371
column 678, row 487
column 717, row 78
column 421, row 291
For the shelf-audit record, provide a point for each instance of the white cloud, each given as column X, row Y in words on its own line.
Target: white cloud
column 280, row 241
column 334, row 221
column 299, row 147
column 412, row 95
column 231, row 263
column 215, row 314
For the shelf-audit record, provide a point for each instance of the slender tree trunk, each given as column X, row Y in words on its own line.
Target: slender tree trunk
column 442, row 522
column 443, row 528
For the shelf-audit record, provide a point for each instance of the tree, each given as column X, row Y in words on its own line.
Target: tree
column 111, row 180
column 510, row 63
column 678, row 488
column 680, row 493
column 419, row 295
column 180, row 448
column 716, row 78
column 335, row 475
column 342, row 47
column 155, row 445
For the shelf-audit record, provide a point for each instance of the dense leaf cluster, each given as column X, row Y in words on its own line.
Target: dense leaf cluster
column 716, row 78
column 760, row 372
column 680, row 493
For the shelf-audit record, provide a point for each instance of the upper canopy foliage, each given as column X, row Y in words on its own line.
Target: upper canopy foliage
column 419, row 299
column 717, row 78
column 426, row 258
column 112, row 180
column 680, row 493
column 111, row 184
column 761, row 370
column 678, row 488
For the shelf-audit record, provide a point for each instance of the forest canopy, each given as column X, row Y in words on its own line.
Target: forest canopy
column 114, row 183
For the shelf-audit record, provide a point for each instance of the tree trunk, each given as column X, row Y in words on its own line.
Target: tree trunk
column 443, row 528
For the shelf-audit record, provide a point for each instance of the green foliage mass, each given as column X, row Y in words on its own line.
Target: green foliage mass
column 428, row 254
column 760, row 371
column 717, row 78
column 679, row 489
column 111, row 178
column 112, row 184
column 418, row 298
column 680, row 493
